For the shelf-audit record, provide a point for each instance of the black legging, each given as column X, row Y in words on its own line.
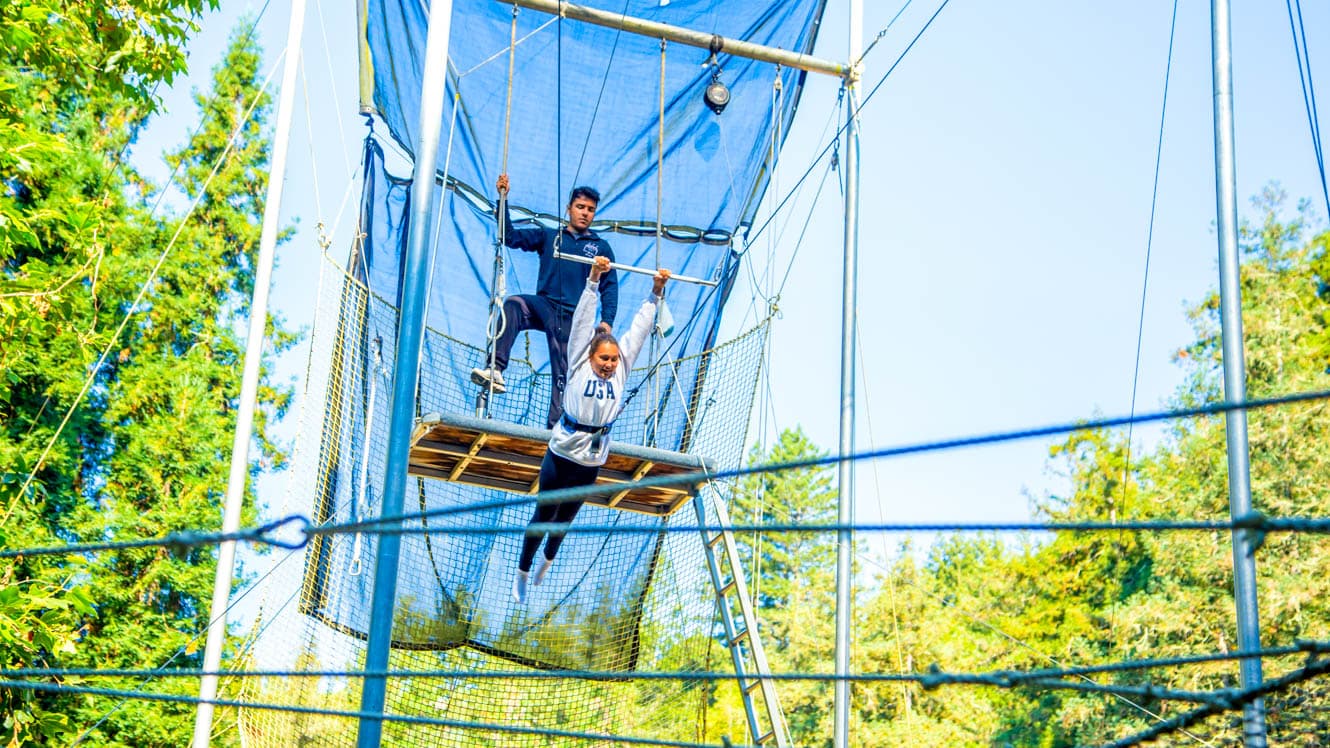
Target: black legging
column 555, row 472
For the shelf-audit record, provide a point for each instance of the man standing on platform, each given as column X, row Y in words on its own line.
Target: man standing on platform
column 559, row 285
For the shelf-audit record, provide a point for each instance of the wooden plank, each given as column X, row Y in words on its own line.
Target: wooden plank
column 675, row 506
column 474, row 480
column 476, row 444
column 641, row 470
column 518, row 460
column 482, row 455
column 465, row 450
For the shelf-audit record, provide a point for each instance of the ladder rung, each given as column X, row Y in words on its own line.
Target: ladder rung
column 739, row 638
column 714, row 539
column 768, row 735
column 753, row 685
column 725, row 590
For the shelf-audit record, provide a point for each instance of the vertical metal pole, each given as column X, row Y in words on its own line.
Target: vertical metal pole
column 849, row 308
column 1235, row 370
column 249, row 383
column 410, row 333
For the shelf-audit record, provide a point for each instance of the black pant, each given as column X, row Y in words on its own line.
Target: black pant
column 528, row 312
column 555, row 472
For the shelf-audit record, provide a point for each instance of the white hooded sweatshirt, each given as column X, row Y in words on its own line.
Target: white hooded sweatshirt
column 588, row 399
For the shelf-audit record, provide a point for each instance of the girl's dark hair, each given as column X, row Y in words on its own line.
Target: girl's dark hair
column 599, row 339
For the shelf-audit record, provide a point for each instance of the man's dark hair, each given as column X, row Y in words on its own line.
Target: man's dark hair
column 586, row 192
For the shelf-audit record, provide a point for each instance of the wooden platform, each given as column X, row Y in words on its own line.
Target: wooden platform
column 495, row 454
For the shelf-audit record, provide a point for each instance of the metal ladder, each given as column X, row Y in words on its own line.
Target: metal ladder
column 741, row 636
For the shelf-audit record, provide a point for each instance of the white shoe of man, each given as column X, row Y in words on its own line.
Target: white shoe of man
column 489, row 377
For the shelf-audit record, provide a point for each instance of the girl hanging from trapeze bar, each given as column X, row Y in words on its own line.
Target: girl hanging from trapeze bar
column 598, row 368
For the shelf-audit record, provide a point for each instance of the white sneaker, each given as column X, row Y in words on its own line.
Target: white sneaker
column 486, row 377
column 542, row 571
column 519, row 587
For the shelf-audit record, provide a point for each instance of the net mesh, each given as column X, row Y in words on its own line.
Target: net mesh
column 615, row 602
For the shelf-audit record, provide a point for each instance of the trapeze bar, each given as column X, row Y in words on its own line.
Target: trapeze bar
column 633, row 269
column 701, row 39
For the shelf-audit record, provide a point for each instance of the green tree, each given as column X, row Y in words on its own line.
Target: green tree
column 146, row 448
column 793, row 581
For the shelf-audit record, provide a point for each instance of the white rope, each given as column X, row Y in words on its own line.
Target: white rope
column 377, row 372
column 500, row 53
column 497, row 322
column 313, row 155
column 438, row 225
column 654, row 418
column 773, row 156
column 337, row 104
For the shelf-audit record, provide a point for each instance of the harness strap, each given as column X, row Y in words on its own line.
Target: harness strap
column 572, row 425
column 598, row 433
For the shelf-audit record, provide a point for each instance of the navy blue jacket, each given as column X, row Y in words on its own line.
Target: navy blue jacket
column 562, row 281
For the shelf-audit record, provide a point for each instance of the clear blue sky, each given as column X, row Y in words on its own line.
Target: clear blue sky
column 1006, row 183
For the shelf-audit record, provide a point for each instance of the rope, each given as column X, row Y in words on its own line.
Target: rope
column 881, row 509
column 841, row 129
column 508, row 101
column 500, row 53
column 949, row 602
column 1149, row 242
column 313, row 154
column 582, row 493
column 337, row 104
column 1255, row 524
column 1236, row 700
column 438, row 225
column 935, row 678
column 653, row 420
column 1145, row 286
column 604, row 79
column 881, row 34
column 362, row 505
column 1308, row 94
column 180, row 541
column 58, row 688
column 497, row 320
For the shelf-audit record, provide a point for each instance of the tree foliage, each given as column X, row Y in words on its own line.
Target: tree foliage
column 90, row 268
column 1085, row 598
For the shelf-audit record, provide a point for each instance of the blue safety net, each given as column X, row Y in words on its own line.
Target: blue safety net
column 454, row 578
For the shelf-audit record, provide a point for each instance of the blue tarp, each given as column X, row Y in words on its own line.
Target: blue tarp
column 586, row 107
column 586, row 102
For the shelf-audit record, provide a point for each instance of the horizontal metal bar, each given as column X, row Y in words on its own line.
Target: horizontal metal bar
column 701, row 39
column 632, row 269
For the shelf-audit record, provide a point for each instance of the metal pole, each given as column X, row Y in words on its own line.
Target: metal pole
column 849, row 309
column 700, row 39
column 410, row 333
column 249, row 383
column 633, row 269
column 1235, row 370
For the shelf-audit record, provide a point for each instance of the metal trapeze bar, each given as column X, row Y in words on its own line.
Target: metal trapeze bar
column 632, row 269
column 700, row 39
